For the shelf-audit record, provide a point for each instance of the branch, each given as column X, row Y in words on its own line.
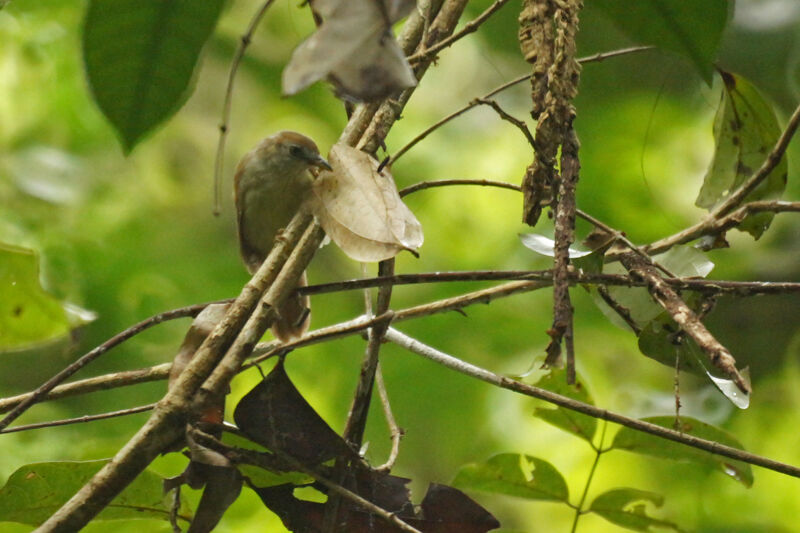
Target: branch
column 82, row 419
column 469, row 27
column 686, row 318
column 134, row 330
column 482, row 374
column 715, row 226
column 226, row 106
column 84, row 386
column 596, row 58
column 167, row 423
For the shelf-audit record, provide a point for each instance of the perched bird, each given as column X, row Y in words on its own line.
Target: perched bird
column 271, row 183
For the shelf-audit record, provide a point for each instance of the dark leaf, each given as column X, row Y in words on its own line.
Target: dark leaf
column 140, row 57
column 443, row 510
column 745, row 131
column 222, row 487
column 691, row 29
column 514, row 475
column 275, row 414
column 628, row 508
column 643, row 443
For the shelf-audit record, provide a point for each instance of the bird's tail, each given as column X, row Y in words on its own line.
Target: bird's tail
column 294, row 316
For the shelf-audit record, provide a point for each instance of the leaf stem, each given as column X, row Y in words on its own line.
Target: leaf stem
column 598, row 451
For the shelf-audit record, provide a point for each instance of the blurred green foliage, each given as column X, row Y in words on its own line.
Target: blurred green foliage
column 128, row 237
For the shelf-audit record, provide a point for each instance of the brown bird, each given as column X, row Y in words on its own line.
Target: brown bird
column 271, row 183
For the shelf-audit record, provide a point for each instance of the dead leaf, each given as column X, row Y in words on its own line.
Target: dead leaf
column 361, row 210
column 275, row 414
column 355, row 47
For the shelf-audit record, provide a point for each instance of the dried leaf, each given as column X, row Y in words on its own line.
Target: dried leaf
column 275, row 414
column 356, row 48
column 361, row 210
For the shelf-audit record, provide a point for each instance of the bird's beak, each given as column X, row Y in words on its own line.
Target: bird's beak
column 321, row 163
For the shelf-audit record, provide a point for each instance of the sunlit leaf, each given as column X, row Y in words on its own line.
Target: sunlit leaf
column 628, row 508
column 576, row 423
column 514, row 475
column 140, row 57
column 29, row 316
column 36, row 491
column 745, row 130
column 643, row 443
column 691, row 29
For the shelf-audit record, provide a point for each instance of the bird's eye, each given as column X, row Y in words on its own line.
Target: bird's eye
column 295, row 151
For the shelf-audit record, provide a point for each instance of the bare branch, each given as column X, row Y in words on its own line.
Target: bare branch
column 685, row 317
column 469, row 27
column 482, row 374
column 224, row 125
column 596, row 58
column 82, row 419
column 51, row 383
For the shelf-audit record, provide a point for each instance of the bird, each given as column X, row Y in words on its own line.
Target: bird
column 271, row 184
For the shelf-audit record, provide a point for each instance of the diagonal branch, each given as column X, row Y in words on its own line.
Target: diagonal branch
column 482, row 374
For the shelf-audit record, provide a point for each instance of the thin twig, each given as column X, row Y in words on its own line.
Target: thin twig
column 596, row 58
column 51, row 383
column 224, row 125
column 395, row 432
column 468, row 28
column 482, row 374
column 84, row 386
column 82, row 419
column 520, row 125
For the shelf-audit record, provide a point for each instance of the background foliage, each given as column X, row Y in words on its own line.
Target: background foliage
column 127, row 237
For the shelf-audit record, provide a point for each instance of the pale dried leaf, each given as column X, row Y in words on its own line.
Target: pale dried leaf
column 356, row 48
column 361, row 210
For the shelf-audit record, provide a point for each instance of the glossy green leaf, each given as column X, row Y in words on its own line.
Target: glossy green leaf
column 140, row 58
column 628, row 508
column 36, row 491
column 579, row 424
column 514, row 475
column 29, row 316
column 745, row 131
column 643, row 443
column 691, row 29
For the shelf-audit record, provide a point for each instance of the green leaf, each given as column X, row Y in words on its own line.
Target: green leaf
column 579, row 424
column 643, row 443
column 627, row 508
column 514, row 475
column 36, row 491
column 29, row 316
column 745, row 130
column 140, row 58
column 691, row 29
column 260, row 477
